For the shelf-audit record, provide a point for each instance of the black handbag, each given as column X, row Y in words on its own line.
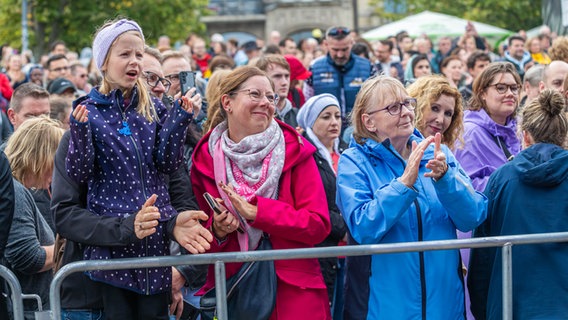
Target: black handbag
column 251, row 292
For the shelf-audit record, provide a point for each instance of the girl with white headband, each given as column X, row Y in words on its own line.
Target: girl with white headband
column 123, row 142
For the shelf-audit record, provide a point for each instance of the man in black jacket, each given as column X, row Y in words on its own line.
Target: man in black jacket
column 80, row 227
column 6, row 214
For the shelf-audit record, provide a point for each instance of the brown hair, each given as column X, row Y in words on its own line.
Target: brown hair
column 28, row 89
column 426, row 90
column 266, row 61
column 213, row 86
column 232, row 82
column 484, row 80
column 544, row 118
column 559, row 49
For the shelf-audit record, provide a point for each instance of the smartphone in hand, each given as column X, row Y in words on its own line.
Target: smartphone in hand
column 216, row 207
column 213, row 204
column 187, row 81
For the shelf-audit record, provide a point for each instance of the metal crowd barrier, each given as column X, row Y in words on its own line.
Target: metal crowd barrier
column 219, row 260
column 16, row 292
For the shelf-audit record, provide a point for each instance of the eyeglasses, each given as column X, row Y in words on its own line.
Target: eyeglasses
column 256, row 96
column 338, row 31
column 502, row 88
column 396, row 108
column 59, row 69
column 174, row 78
column 153, row 79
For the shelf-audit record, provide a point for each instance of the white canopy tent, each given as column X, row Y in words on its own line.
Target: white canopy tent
column 434, row 25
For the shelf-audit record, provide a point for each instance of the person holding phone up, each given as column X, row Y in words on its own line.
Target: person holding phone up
column 264, row 174
column 394, row 185
column 122, row 143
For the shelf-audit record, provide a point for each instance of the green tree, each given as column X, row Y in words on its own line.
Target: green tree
column 512, row 15
column 75, row 22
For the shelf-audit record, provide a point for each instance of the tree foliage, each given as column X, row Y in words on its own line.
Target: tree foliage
column 512, row 15
column 75, row 22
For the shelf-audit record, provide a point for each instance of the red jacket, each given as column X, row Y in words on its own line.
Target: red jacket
column 298, row 219
column 5, row 87
column 203, row 63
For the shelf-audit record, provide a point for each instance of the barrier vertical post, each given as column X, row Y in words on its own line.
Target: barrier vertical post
column 221, row 290
column 16, row 289
column 507, row 269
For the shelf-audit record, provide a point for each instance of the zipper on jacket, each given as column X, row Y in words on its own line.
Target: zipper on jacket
column 420, row 239
column 142, row 179
column 421, row 258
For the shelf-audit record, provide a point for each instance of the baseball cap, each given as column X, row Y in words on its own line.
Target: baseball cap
column 297, row 69
column 250, row 46
column 60, row 85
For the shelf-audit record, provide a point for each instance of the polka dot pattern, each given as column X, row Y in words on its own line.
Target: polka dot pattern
column 122, row 171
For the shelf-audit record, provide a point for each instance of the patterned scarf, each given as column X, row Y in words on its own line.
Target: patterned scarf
column 253, row 166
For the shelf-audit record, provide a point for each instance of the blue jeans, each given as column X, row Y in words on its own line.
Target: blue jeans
column 87, row 314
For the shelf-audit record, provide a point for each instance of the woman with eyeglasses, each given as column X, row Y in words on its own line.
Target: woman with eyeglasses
column 490, row 128
column 393, row 186
column 265, row 174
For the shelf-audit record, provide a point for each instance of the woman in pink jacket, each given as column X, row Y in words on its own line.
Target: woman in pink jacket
column 267, row 177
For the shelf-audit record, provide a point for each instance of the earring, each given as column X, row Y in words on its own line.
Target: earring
column 229, row 110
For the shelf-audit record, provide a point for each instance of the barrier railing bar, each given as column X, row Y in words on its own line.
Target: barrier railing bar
column 285, row 254
column 507, row 270
column 16, row 289
column 221, row 291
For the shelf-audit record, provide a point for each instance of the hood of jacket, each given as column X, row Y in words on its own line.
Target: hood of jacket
column 542, row 165
column 508, row 131
column 526, row 58
column 297, row 149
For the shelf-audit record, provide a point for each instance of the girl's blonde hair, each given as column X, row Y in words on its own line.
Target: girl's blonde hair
column 31, row 149
column 145, row 105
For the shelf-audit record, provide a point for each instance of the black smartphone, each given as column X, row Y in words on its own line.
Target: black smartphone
column 215, row 207
column 213, row 204
column 187, row 81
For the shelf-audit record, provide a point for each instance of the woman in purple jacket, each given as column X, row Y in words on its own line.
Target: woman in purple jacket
column 490, row 128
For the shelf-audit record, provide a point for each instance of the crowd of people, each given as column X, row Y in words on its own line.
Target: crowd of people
column 326, row 142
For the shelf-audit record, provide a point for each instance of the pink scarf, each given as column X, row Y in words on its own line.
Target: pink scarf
column 253, row 166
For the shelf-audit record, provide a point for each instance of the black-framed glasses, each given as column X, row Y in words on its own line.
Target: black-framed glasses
column 503, row 87
column 153, row 79
column 256, row 96
column 338, row 31
column 174, row 78
column 396, row 108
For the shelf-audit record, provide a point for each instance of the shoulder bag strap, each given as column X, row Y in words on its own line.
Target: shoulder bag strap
column 499, row 141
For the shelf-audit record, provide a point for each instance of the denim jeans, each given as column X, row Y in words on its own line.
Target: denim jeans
column 71, row 314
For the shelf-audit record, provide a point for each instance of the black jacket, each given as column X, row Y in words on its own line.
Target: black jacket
column 81, row 227
column 6, row 201
column 6, row 215
column 338, row 226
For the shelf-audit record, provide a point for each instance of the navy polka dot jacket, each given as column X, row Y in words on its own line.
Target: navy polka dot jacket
column 122, row 157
